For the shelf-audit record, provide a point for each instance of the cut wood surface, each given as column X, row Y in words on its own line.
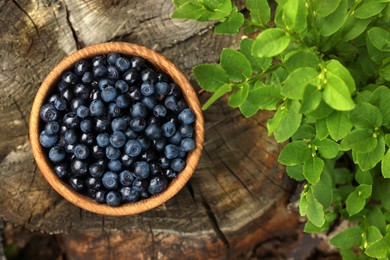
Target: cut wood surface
column 235, row 194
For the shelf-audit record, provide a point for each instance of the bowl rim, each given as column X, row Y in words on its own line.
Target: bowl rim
column 157, row 60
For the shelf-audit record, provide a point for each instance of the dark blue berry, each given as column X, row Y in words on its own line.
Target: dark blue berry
column 102, row 123
column 149, row 102
column 52, row 127
column 99, row 61
column 49, row 113
column 100, row 71
column 113, row 110
column 155, row 168
column 62, row 170
column 123, row 101
column 77, row 184
column 187, row 144
column 47, row 140
column 186, row 116
column 62, row 85
column 135, row 95
column 169, row 174
column 112, row 72
column 137, row 63
column 100, row 196
column 122, row 86
column 110, row 180
column 147, row 89
column 87, row 138
column 112, row 153
column 87, row 77
column 186, row 131
column 138, row 110
column 122, row 64
column 141, row 169
column 96, row 170
column 171, row 151
column 162, row 88
column 112, row 57
column 70, row 136
column 127, row 160
column 162, row 77
column 164, row 162
column 109, row 94
column 176, row 138
column 82, row 91
column 117, row 139
column 170, row 103
column 148, row 75
column 71, row 121
column 178, row 164
column 129, row 195
column 76, row 103
column 144, row 141
column 175, row 90
column 181, row 105
column 79, row 167
column 159, row 111
column 130, row 134
column 98, row 152
column 115, row 165
column 126, row 178
column 81, row 151
column 60, row 104
column 133, row 148
column 81, row 67
column 131, row 77
column 113, row 198
column 149, row 155
column 70, row 78
column 82, row 111
column 52, row 98
column 56, row 154
column 159, row 145
column 95, row 94
column 157, row 185
column 103, row 140
column 153, row 132
column 86, row 125
column 119, row 124
column 139, row 185
column 67, row 94
column 93, row 183
column 105, row 83
column 138, row 124
column 97, row 108
column 168, row 129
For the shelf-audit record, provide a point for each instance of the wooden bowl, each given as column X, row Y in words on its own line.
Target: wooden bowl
column 83, row 201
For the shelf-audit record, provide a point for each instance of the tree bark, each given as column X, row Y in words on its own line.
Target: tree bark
column 235, row 199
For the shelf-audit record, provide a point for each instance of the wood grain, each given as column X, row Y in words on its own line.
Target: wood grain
column 63, row 188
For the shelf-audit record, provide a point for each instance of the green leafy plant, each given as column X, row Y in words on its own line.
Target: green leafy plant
column 324, row 68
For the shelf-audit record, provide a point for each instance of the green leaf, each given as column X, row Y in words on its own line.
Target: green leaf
column 235, row 65
column 286, row 121
column 366, row 116
column 336, row 93
column 323, row 189
column 385, row 72
column 218, row 8
column 321, row 129
column 270, row 42
column 355, row 203
column 259, row 10
column 324, row 8
column 219, row 93
column 179, row 2
column 311, row 99
column 327, row 148
column 386, row 165
column 296, row 82
column 191, row 10
column 381, row 99
column 305, row 131
column 364, row 190
column 294, row 15
column 270, row 97
column 361, row 140
column 294, row 153
column 380, row 38
column 311, row 228
column 338, row 125
column 332, row 23
column 354, row 27
column 238, row 97
column 295, row 172
column 375, row 217
column 380, row 248
column 342, row 72
column 231, row 25
column 363, row 177
column 348, row 238
column 315, row 211
column 302, row 58
column 303, row 204
column 258, row 64
column 384, row 194
column 369, row 8
column 312, row 169
column 210, row 76
column 369, row 160
column 373, row 234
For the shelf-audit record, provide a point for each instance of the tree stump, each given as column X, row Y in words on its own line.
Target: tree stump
column 235, row 199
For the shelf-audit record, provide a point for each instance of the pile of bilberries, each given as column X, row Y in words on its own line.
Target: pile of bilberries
column 117, row 129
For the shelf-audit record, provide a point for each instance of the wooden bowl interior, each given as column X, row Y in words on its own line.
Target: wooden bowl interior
column 83, row 201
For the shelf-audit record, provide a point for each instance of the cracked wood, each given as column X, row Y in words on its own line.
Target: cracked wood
column 235, row 198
